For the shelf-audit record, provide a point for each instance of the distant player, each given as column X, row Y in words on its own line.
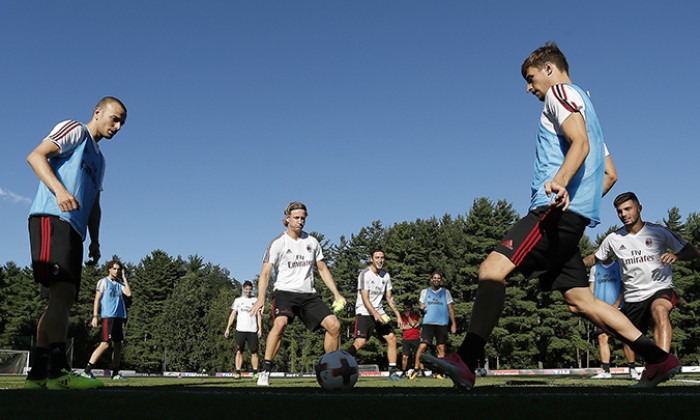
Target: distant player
column 373, row 284
column 109, row 314
column 410, row 339
column 643, row 251
column 70, row 166
column 248, row 328
column 292, row 255
column 438, row 319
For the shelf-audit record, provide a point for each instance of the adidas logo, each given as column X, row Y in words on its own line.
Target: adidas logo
column 508, row 244
column 289, row 251
column 623, row 247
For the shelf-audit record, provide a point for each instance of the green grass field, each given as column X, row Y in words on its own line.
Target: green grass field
column 492, row 398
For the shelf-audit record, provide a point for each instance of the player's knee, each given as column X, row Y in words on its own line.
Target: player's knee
column 331, row 325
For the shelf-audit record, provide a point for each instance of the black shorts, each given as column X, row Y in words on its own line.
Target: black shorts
column 57, row 251
column 438, row 332
column 113, row 329
column 544, row 244
column 640, row 312
column 309, row 307
column 243, row 337
column 409, row 347
column 365, row 325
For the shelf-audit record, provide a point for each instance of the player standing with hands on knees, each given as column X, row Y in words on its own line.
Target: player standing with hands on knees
column 373, row 284
column 292, row 255
column 642, row 248
column 567, row 188
column 109, row 314
column 71, row 167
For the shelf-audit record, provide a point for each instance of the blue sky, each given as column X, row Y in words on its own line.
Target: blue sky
column 364, row 110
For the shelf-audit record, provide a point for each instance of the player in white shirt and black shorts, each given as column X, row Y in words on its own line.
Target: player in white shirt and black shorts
column 642, row 250
column 292, row 255
column 373, row 284
column 248, row 328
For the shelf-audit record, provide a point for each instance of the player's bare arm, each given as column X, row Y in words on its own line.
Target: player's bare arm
column 231, row 318
column 364, row 294
column 263, row 281
column 38, row 159
column 96, row 310
column 127, row 287
column 94, row 230
column 392, row 305
column 574, row 129
column 453, row 320
column 327, row 278
column 590, row 260
column 610, row 177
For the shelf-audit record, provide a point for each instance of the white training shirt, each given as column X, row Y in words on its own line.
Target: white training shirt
column 642, row 272
column 376, row 285
column 245, row 321
column 293, row 261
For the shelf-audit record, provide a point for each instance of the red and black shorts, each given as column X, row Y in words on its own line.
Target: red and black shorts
column 365, row 325
column 640, row 312
column 112, row 329
column 544, row 244
column 309, row 307
column 243, row 337
column 57, row 251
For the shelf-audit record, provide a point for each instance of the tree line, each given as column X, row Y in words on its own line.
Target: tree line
column 179, row 308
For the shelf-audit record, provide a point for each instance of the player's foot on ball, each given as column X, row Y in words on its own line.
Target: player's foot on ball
column 264, row 378
column 453, row 366
column 655, row 373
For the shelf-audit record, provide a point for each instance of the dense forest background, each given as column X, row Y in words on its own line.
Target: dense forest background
column 180, row 307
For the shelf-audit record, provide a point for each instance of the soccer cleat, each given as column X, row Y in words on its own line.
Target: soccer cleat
column 119, row 377
column 264, row 378
column 87, row 375
column 412, row 374
column 34, row 383
column 439, row 376
column 602, row 375
column 655, row 373
column 71, row 380
column 453, row 366
column 256, row 375
column 237, row 376
column 394, row 376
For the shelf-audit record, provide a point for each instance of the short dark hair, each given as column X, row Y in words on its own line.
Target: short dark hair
column 376, row 249
column 111, row 99
column 247, row 283
column 113, row 261
column 436, row 272
column 549, row 53
column 626, row 196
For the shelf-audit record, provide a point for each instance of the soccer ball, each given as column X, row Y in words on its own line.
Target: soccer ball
column 336, row 371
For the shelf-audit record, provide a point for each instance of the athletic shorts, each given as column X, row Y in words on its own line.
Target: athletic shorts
column 432, row 331
column 57, row 251
column 544, row 244
column 309, row 307
column 365, row 325
column 113, row 329
column 243, row 337
column 409, row 347
column 640, row 312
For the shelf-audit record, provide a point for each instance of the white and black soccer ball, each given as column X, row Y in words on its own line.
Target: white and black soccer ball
column 336, row 371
